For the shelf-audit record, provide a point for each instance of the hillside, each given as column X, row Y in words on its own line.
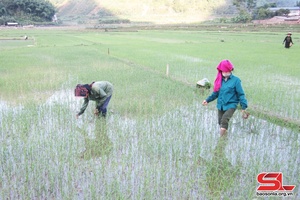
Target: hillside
column 155, row 11
column 152, row 11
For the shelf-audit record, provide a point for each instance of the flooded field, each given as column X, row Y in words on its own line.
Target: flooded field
column 158, row 141
column 46, row 153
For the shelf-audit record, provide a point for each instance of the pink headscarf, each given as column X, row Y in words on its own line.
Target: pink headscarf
column 224, row 66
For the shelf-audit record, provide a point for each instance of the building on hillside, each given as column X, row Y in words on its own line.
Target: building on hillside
column 11, row 24
column 54, row 18
column 294, row 11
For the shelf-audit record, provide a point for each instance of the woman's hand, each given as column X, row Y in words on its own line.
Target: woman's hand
column 204, row 103
column 245, row 114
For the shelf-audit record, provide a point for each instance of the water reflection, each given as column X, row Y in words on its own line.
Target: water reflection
column 220, row 173
column 101, row 144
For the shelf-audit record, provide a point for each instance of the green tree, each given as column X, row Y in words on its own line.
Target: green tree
column 2, row 9
column 263, row 12
column 243, row 17
column 245, row 5
column 36, row 10
column 282, row 12
column 245, row 8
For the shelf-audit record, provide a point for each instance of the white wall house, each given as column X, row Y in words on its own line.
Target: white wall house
column 294, row 11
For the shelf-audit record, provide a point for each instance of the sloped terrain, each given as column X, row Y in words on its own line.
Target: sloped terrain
column 164, row 11
column 154, row 11
column 81, row 7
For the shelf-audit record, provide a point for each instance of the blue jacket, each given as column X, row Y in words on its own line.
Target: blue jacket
column 230, row 94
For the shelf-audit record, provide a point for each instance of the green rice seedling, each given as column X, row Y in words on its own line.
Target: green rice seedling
column 158, row 141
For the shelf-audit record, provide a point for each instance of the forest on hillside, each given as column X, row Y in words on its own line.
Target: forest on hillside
column 26, row 10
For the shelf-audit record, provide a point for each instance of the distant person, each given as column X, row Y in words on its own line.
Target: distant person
column 229, row 91
column 100, row 92
column 288, row 42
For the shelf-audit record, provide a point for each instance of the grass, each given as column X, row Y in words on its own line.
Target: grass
column 158, row 141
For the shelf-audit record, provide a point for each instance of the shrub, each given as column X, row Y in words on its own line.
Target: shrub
column 242, row 18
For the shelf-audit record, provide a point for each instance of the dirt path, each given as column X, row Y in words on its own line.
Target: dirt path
column 279, row 20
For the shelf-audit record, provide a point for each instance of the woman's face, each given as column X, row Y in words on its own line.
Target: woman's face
column 226, row 74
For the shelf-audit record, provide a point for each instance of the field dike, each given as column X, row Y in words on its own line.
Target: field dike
column 47, row 153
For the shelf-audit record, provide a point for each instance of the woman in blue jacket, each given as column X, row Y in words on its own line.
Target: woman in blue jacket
column 229, row 92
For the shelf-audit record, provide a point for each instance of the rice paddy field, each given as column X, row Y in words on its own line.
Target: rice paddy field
column 158, row 141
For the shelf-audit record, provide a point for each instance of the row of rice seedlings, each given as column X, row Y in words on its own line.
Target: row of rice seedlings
column 271, row 149
column 171, row 156
column 270, row 101
column 38, row 155
column 197, row 62
column 48, row 154
column 166, row 149
column 196, row 67
column 129, row 158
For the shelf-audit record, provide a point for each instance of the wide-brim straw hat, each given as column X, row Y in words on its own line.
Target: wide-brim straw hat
column 203, row 82
column 289, row 33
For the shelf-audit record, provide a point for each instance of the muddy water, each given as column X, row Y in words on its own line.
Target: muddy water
column 177, row 155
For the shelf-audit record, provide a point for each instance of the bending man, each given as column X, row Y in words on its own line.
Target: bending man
column 100, row 92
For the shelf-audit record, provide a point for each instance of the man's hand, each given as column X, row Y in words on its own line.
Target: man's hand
column 96, row 112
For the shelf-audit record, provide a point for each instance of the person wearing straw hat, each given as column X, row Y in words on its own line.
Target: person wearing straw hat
column 100, row 92
column 288, row 42
column 229, row 92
